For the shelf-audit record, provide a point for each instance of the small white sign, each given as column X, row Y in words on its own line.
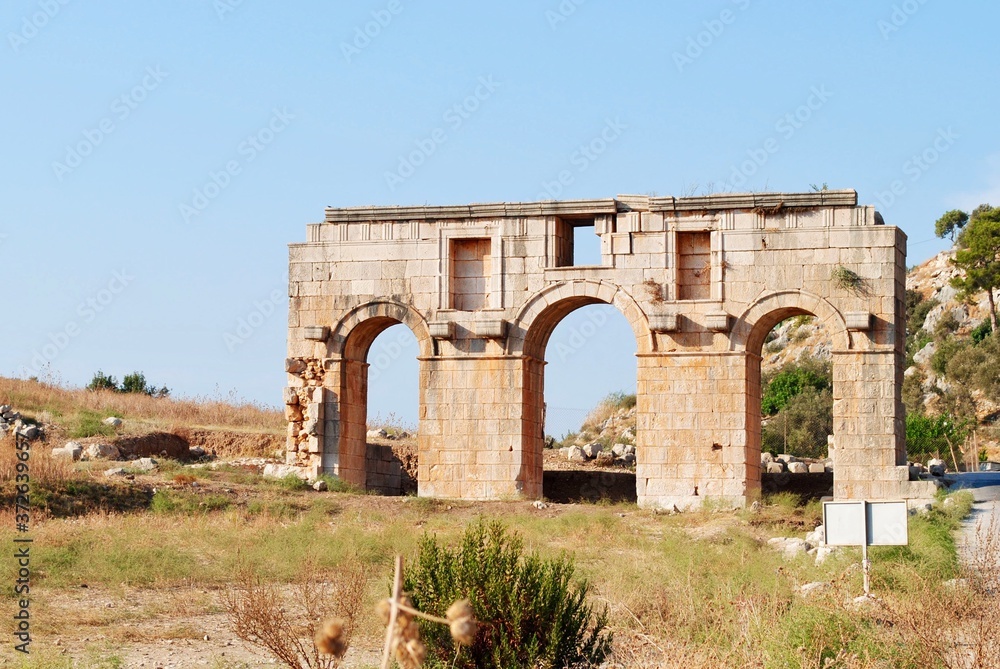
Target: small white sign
column 887, row 524
column 844, row 523
column 859, row 523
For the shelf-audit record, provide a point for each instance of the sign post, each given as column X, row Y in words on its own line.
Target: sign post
column 863, row 523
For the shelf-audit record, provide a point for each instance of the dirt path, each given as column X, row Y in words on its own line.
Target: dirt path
column 985, row 516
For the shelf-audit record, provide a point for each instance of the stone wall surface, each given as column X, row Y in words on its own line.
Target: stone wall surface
column 700, row 280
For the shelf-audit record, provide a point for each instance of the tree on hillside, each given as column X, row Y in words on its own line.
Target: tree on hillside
column 950, row 224
column 978, row 255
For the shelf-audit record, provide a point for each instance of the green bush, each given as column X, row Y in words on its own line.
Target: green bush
column 929, row 435
column 532, row 612
column 917, row 309
column 801, row 427
column 981, row 331
column 945, row 351
column 620, row 400
column 791, row 380
column 102, row 381
column 976, row 366
column 132, row 383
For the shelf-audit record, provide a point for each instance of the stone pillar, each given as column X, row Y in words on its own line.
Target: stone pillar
column 347, row 454
column 472, row 430
column 691, row 437
column 868, row 423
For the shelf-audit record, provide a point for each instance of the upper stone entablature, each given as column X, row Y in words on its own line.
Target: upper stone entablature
column 644, row 213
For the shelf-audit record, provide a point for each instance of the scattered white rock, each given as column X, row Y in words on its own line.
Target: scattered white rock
column 539, row 504
column 936, row 467
column 377, row 434
column 821, row 553
column 103, row 452
column 813, row 588
column 775, row 467
column 618, row 450
column 144, row 464
column 766, row 457
column 791, row 547
column 592, row 450
column 113, row 421
column 817, row 468
column 864, row 600
column 816, row 536
column 575, row 454
column 276, row 471
column 71, row 450
column 319, row 486
column 116, row 471
column 798, row 468
column 923, row 356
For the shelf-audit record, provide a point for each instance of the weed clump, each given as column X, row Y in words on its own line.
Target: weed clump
column 531, row 611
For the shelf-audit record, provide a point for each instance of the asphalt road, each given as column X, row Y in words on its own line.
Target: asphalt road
column 985, row 516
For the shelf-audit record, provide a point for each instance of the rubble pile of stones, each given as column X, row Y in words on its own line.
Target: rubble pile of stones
column 11, row 421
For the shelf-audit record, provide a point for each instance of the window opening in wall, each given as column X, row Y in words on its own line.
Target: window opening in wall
column 471, row 269
column 694, row 263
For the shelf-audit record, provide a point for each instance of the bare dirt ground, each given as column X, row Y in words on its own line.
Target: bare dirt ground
column 175, row 629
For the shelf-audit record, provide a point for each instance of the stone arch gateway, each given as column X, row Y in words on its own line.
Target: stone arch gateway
column 701, row 280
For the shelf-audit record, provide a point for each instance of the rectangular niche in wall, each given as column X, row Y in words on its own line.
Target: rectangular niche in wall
column 694, row 265
column 470, row 274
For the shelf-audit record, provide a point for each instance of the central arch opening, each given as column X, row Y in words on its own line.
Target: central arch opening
column 586, row 398
column 790, row 404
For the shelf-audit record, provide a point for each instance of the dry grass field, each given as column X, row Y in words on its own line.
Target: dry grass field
column 133, row 571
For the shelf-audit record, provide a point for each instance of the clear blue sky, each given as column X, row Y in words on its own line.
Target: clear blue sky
column 115, row 113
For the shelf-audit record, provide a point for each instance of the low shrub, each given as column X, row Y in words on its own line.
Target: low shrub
column 532, row 612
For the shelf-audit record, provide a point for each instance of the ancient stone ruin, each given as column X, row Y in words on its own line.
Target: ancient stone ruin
column 701, row 280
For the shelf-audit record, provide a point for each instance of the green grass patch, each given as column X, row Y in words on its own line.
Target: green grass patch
column 187, row 503
column 90, row 424
column 291, row 483
column 335, row 484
